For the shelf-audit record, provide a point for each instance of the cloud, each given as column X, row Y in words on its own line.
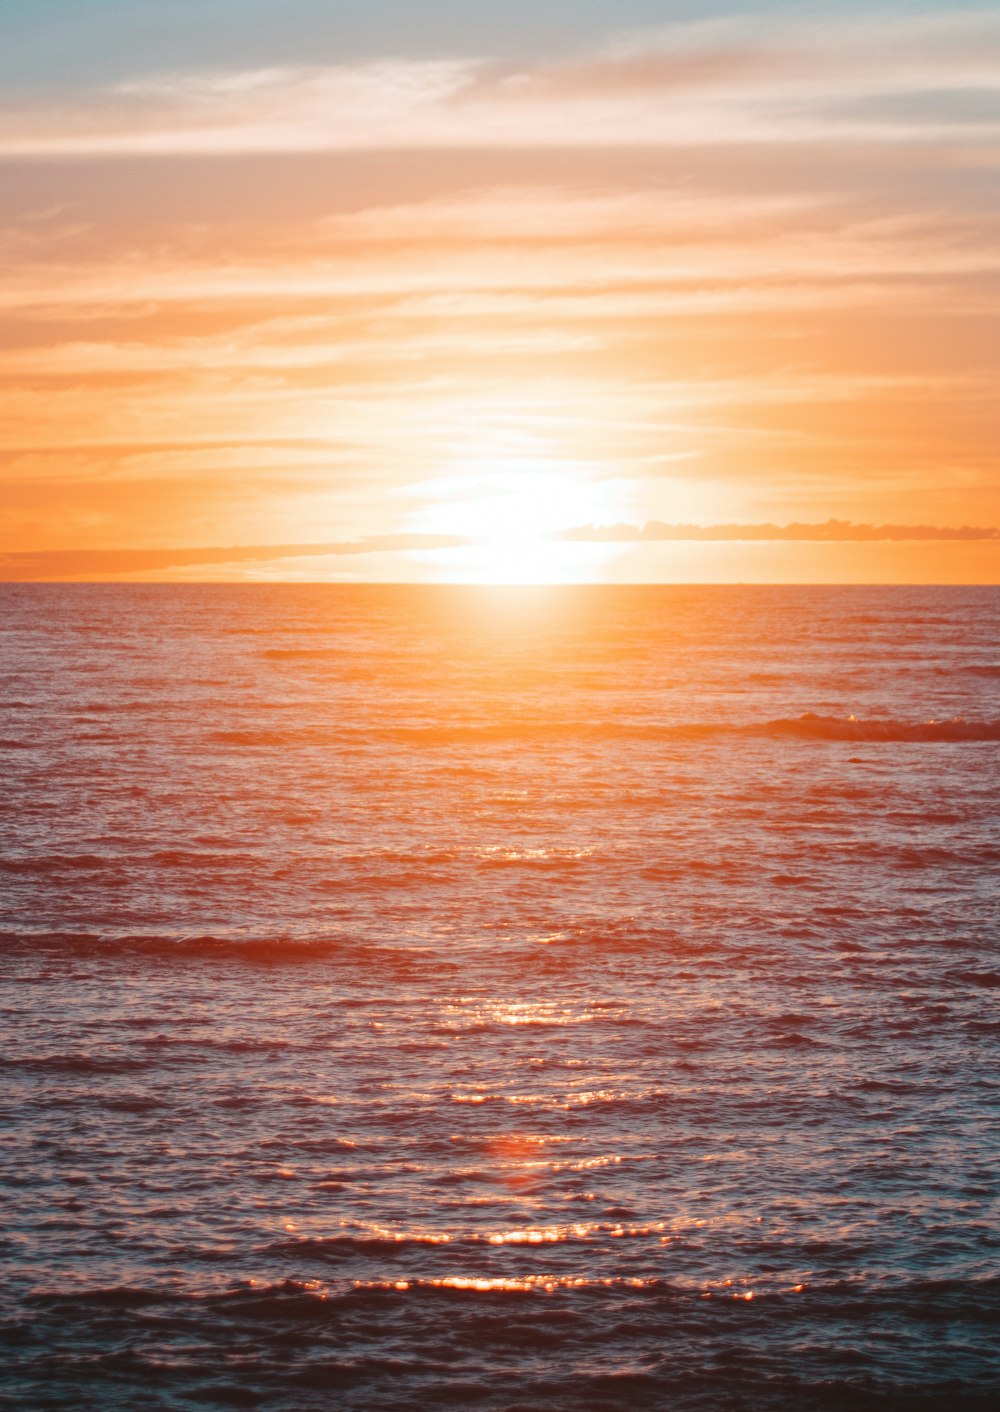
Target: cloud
column 29, row 566
column 687, row 85
column 70, row 564
column 829, row 532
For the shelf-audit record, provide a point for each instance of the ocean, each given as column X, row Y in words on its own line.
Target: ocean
column 577, row 998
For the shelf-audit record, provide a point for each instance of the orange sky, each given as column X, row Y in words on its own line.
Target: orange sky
column 429, row 313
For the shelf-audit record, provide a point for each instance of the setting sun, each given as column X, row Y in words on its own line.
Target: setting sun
column 511, row 511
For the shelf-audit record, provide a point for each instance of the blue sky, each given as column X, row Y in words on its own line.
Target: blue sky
column 49, row 44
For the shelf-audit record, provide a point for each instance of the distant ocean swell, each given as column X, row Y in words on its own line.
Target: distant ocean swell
column 808, row 726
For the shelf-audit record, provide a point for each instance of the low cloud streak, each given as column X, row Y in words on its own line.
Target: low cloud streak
column 71, row 564
column 829, row 532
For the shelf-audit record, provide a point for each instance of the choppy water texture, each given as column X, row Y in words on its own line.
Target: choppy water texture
column 439, row 998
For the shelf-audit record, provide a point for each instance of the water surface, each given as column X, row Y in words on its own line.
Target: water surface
column 426, row 998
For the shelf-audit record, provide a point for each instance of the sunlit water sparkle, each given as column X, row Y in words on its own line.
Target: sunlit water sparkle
column 423, row 998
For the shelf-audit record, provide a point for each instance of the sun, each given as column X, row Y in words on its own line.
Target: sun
column 512, row 511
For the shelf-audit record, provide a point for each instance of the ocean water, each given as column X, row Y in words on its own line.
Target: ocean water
column 575, row 999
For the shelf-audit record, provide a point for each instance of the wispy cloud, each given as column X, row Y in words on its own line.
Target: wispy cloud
column 722, row 81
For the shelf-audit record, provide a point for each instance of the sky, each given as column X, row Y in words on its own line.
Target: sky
column 626, row 290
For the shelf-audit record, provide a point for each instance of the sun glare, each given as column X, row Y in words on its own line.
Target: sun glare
column 512, row 512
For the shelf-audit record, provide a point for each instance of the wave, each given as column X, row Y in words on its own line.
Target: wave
column 840, row 1298
column 808, row 726
column 57, row 863
column 252, row 737
column 276, row 950
column 812, row 726
column 280, row 654
column 971, row 669
column 392, row 1244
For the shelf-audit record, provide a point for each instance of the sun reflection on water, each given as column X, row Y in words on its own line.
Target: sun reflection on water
column 500, row 1284
column 470, row 1013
